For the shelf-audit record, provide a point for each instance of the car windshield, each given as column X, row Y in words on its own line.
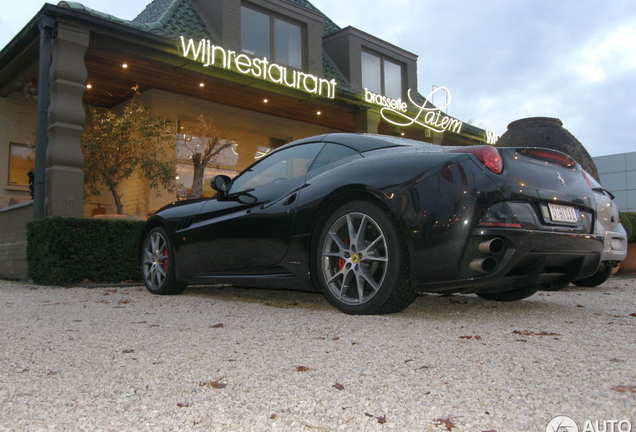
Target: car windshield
column 278, row 166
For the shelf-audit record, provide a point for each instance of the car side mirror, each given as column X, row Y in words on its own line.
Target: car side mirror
column 221, row 184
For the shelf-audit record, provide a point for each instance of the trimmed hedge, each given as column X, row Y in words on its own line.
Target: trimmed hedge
column 64, row 251
column 628, row 219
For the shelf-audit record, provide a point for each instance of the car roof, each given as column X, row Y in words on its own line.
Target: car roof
column 367, row 142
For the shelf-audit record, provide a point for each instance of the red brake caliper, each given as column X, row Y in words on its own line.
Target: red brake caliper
column 341, row 261
column 165, row 261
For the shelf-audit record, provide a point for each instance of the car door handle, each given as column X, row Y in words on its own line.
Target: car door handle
column 290, row 200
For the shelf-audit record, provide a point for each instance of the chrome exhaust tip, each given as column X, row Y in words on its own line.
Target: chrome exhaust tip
column 493, row 246
column 483, row 265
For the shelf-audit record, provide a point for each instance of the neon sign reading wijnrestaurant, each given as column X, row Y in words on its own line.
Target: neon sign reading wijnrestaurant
column 428, row 117
column 213, row 55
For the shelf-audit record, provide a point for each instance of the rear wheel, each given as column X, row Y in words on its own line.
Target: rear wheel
column 361, row 263
column 514, row 295
column 158, row 264
column 596, row 279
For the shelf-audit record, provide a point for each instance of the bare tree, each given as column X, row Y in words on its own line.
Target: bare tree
column 206, row 143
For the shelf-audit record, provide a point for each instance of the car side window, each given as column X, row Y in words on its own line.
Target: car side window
column 278, row 166
column 331, row 153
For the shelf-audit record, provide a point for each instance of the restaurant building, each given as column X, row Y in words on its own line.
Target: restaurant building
column 267, row 71
column 270, row 71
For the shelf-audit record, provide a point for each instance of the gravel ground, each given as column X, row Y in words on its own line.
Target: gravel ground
column 233, row 359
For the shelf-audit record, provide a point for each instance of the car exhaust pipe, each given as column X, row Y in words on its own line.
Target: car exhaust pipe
column 493, row 246
column 483, row 265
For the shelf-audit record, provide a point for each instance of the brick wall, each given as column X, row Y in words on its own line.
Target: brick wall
column 13, row 240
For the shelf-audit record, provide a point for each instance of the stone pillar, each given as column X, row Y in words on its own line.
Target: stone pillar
column 367, row 121
column 64, row 187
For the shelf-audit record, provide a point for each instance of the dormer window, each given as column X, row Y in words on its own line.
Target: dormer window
column 267, row 35
column 381, row 75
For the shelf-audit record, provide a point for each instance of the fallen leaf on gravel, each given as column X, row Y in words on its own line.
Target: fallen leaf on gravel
column 625, row 388
column 219, row 325
column 521, row 340
column 123, row 301
column 272, row 417
column 632, row 315
column 335, row 338
column 302, row 368
column 217, row 384
column 183, row 405
column 128, row 351
column 447, row 422
column 580, row 306
column 477, row 337
column 382, row 419
column 338, row 386
column 531, row 333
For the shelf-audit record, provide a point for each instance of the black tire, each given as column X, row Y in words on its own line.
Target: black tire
column 507, row 296
column 598, row 278
column 361, row 263
column 158, row 264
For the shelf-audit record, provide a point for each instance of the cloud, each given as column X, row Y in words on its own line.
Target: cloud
column 607, row 54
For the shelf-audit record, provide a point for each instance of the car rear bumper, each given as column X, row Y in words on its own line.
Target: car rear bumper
column 615, row 247
column 497, row 260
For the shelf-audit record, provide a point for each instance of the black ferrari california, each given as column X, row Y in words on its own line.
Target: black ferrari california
column 373, row 220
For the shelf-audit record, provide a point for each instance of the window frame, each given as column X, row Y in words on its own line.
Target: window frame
column 273, row 16
column 383, row 83
column 14, row 185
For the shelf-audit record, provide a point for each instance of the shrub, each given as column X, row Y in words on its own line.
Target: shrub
column 63, row 251
column 628, row 219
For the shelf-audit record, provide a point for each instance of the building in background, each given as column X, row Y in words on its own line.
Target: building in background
column 618, row 175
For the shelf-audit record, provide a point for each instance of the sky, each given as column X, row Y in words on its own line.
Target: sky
column 501, row 60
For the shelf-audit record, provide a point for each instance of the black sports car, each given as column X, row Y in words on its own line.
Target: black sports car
column 373, row 220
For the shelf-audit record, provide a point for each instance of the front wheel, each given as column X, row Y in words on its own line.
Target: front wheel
column 158, row 264
column 361, row 263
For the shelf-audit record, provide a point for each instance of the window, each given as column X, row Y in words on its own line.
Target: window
column 21, row 161
column 381, row 76
column 332, row 153
column 279, row 166
column 266, row 35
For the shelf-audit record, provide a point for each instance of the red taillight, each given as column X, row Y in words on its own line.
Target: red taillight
column 550, row 156
column 487, row 155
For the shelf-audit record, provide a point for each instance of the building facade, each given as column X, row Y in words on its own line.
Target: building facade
column 618, row 175
column 268, row 71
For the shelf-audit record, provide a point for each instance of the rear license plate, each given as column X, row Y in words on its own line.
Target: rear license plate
column 561, row 213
